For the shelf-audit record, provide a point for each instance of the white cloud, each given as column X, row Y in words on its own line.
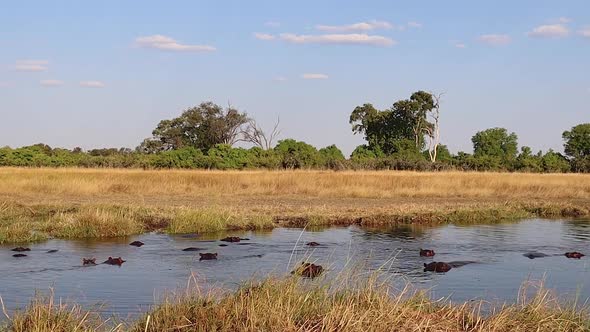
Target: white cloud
column 563, row 20
column 585, row 32
column 264, row 36
column 362, row 26
column 309, row 76
column 280, row 79
column 495, row 39
column 414, row 24
column 31, row 65
column 169, row 44
column 51, row 82
column 550, row 31
column 272, row 24
column 460, row 45
column 92, row 84
column 346, row 39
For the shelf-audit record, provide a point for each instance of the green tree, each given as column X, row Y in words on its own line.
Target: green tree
column 331, row 157
column 577, row 147
column 405, row 120
column 201, row 127
column 496, row 143
column 554, row 162
column 296, row 154
column 528, row 162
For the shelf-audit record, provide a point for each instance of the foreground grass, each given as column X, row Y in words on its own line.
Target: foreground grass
column 37, row 204
column 295, row 305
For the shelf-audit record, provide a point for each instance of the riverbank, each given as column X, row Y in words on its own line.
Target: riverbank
column 295, row 305
column 36, row 204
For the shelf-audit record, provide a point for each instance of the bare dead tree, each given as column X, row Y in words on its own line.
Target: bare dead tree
column 433, row 131
column 256, row 135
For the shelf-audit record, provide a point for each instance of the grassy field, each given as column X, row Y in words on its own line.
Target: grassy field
column 39, row 203
column 295, row 305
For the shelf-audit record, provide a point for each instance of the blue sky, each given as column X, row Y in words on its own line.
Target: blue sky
column 103, row 73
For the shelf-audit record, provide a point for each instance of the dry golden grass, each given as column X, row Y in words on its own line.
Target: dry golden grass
column 41, row 203
column 317, row 184
column 302, row 305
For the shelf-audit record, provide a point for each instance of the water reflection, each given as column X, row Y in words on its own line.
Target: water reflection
column 161, row 265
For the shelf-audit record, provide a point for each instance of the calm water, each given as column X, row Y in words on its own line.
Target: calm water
column 161, row 266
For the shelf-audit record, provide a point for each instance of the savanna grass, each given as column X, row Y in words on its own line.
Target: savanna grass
column 36, row 204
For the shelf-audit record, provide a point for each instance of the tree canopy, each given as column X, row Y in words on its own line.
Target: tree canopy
column 201, row 127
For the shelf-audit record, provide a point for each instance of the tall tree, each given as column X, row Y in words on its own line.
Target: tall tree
column 495, row 142
column 201, row 127
column 405, row 120
column 577, row 141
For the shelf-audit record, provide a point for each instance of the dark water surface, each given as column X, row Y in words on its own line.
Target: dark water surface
column 161, row 265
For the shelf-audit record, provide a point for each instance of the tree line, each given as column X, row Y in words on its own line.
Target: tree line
column 405, row 136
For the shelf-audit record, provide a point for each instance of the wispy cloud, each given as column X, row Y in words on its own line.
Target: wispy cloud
column 165, row 43
column 563, row 20
column 272, row 24
column 361, row 26
column 550, row 31
column 316, row 76
column 51, row 82
column 92, row 84
column 280, row 79
column 414, row 24
column 264, row 36
column 460, row 45
column 585, row 32
column 31, row 65
column 495, row 39
column 343, row 39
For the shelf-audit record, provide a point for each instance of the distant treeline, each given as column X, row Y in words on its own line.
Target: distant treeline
column 288, row 154
column 403, row 137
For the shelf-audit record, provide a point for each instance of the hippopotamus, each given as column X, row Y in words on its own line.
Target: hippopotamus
column 233, row 239
column 437, row 267
column 312, row 244
column 223, row 245
column 114, row 261
column 136, row 243
column 21, row 249
column 533, row 255
column 426, row 252
column 207, row 256
column 19, row 255
column 88, row 261
column 574, row 254
column 192, row 249
column 51, row 251
column 308, row 270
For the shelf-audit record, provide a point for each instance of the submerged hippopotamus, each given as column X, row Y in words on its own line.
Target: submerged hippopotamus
column 574, row 254
column 51, row 251
column 308, row 270
column 88, row 261
column 426, row 252
column 207, row 256
column 533, row 255
column 312, row 244
column 19, row 255
column 192, row 249
column 136, row 243
column 444, row 267
column 114, row 261
column 233, row 239
column 437, row 267
column 20, row 249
